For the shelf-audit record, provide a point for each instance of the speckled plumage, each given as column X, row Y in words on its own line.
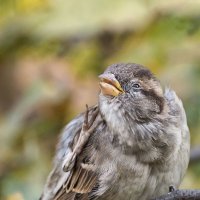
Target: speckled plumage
column 139, row 146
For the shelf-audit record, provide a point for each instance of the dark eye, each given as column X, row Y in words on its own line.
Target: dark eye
column 136, row 85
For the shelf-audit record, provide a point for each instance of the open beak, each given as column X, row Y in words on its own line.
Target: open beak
column 109, row 85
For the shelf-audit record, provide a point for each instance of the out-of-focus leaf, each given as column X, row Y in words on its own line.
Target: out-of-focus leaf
column 16, row 196
column 51, row 53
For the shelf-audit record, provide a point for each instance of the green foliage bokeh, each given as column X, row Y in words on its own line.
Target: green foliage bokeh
column 51, row 53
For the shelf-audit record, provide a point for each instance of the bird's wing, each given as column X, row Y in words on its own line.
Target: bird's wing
column 82, row 177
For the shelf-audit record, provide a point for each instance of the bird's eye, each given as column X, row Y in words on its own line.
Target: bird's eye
column 136, row 85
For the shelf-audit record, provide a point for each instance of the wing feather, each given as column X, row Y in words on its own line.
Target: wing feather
column 79, row 182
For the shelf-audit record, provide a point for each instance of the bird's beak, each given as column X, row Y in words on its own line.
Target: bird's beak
column 109, row 85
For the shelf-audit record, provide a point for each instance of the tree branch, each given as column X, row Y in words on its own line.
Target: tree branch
column 180, row 195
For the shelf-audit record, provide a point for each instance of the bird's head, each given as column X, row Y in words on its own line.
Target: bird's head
column 130, row 92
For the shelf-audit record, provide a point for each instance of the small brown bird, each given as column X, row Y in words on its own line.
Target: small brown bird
column 132, row 145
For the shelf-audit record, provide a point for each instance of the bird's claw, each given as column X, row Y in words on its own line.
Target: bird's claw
column 69, row 162
column 86, row 131
column 172, row 188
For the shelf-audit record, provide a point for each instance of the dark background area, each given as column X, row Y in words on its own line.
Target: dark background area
column 51, row 53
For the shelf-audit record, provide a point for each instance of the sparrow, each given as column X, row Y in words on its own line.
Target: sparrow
column 132, row 145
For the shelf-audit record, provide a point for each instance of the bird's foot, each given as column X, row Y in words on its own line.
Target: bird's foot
column 69, row 161
column 85, row 133
column 172, row 188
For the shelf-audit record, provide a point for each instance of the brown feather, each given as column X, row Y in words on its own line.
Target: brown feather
column 62, row 195
column 83, row 197
column 81, row 181
column 82, row 177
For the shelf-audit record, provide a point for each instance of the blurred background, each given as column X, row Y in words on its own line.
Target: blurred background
column 51, row 52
